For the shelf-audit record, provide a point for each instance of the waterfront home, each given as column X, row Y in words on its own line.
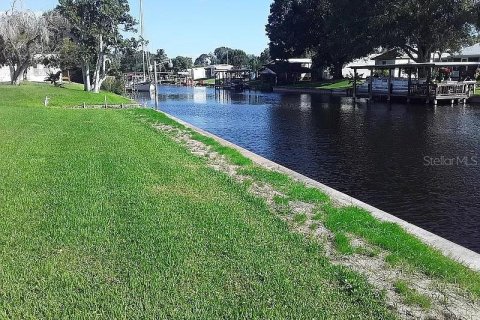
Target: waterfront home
column 347, row 71
column 208, row 72
column 212, row 70
column 36, row 73
column 393, row 57
column 198, row 73
column 467, row 54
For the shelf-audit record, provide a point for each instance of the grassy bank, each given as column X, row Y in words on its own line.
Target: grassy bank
column 104, row 217
column 403, row 249
column 70, row 94
column 324, row 85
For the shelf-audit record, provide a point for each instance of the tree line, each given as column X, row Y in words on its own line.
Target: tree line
column 90, row 35
column 336, row 32
column 81, row 34
column 236, row 57
column 132, row 61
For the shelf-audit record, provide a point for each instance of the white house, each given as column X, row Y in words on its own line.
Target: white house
column 208, row 72
column 198, row 73
column 389, row 57
column 468, row 54
column 212, row 70
column 366, row 61
column 36, row 73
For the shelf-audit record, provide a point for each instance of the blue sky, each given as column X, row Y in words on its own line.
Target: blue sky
column 192, row 27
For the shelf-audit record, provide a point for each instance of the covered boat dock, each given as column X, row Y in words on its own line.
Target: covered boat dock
column 428, row 82
column 235, row 79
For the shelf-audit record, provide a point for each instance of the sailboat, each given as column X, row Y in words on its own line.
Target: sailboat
column 143, row 86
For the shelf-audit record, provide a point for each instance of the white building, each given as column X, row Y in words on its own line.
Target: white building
column 367, row 61
column 468, row 54
column 389, row 57
column 36, row 73
column 198, row 73
column 208, row 72
column 212, row 70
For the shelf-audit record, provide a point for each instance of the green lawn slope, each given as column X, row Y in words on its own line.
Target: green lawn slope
column 103, row 217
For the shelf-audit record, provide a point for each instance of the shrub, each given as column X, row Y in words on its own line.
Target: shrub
column 113, row 84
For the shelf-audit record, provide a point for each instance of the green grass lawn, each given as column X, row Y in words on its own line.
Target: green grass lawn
column 339, row 84
column 209, row 82
column 104, row 217
column 70, row 94
column 477, row 90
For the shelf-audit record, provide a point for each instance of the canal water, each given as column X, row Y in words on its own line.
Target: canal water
column 419, row 163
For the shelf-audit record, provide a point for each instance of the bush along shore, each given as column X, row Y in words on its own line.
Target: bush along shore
column 129, row 214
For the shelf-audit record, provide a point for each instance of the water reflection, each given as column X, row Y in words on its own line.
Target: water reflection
column 376, row 152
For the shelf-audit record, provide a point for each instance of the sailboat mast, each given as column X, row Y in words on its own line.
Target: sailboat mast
column 143, row 41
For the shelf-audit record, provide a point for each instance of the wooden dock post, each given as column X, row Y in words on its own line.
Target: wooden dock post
column 156, row 82
column 389, row 85
column 355, row 74
column 409, row 90
column 429, row 75
column 370, row 85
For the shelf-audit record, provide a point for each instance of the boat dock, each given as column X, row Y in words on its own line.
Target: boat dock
column 428, row 82
column 234, row 79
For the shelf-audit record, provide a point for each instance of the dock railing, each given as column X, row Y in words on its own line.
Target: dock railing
column 457, row 90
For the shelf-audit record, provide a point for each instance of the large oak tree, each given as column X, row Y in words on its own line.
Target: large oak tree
column 335, row 32
column 95, row 27
column 421, row 28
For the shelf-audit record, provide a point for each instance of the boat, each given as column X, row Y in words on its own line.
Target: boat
column 144, row 85
column 136, row 83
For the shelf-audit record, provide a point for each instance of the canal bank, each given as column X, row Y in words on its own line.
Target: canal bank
column 448, row 248
column 101, row 214
column 124, row 204
column 381, row 251
column 358, row 150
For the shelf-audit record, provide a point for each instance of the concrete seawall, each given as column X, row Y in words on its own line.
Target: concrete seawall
column 448, row 248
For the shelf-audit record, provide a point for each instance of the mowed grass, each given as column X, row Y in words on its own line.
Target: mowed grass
column 104, row 217
column 403, row 248
column 70, row 94
column 328, row 85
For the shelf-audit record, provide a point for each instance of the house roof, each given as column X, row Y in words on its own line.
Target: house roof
column 267, row 71
column 300, row 60
column 417, row 65
column 286, row 67
column 391, row 55
column 220, row 66
column 291, row 61
column 234, row 70
column 468, row 51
